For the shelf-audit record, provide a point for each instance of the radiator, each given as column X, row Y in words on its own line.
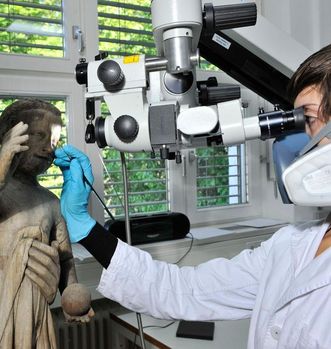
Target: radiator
column 93, row 335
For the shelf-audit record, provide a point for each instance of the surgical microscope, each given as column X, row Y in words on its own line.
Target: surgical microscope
column 156, row 104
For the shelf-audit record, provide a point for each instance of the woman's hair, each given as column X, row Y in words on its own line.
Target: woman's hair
column 314, row 71
column 26, row 110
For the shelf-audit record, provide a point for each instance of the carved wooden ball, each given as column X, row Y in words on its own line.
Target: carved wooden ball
column 76, row 300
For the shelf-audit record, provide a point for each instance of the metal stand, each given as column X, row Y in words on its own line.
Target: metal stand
column 128, row 235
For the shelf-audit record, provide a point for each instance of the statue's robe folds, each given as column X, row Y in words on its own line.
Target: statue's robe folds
column 25, row 318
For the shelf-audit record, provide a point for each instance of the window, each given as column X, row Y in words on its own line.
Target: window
column 34, row 28
column 220, row 175
column 148, row 183
column 125, row 27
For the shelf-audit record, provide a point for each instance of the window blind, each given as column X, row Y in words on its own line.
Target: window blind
column 221, row 176
column 147, row 183
column 32, row 27
column 125, row 27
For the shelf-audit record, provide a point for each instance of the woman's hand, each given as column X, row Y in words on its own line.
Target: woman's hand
column 78, row 178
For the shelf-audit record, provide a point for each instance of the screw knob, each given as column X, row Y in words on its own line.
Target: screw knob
column 126, row 128
column 110, row 73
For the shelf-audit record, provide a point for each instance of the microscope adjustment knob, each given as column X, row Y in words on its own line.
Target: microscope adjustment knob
column 110, row 73
column 126, row 128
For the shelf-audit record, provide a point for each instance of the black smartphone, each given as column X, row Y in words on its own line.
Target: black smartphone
column 196, row 329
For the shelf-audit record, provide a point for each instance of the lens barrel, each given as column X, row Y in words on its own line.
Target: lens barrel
column 81, row 73
column 277, row 123
column 100, row 135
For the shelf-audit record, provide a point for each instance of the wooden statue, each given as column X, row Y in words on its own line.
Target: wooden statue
column 35, row 251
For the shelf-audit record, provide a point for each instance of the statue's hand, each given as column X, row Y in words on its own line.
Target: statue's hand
column 81, row 318
column 43, row 268
column 76, row 303
column 12, row 143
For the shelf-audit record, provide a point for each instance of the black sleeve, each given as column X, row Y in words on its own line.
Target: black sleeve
column 101, row 244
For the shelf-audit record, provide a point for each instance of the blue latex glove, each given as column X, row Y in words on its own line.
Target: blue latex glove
column 76, row 191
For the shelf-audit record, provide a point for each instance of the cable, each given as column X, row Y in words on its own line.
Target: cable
column 114, row 187
column 128, row 239
column 151, row 326
column 172, row 322
column 99, row 198
column 158, row 326
column 188, row 251
column 94, row 191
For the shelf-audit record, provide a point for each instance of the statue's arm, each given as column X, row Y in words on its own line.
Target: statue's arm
column 68, row 272
column 11, row 144
column 79, row 310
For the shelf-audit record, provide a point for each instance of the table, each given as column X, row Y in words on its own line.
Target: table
column 228, row 334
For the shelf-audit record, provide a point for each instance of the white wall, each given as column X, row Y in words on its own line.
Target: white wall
column 308, row 22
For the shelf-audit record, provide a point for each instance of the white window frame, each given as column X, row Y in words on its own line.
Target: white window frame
column 183, row 191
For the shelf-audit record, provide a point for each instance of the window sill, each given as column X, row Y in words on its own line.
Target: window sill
column 227, row 232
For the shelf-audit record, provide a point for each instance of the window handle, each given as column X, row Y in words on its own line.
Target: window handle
column 191, row 156
column 77, row 34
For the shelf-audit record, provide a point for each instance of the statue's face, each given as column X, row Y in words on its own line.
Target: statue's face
column 44, row 134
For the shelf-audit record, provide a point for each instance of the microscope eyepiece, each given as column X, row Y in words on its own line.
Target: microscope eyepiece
column 276, row 123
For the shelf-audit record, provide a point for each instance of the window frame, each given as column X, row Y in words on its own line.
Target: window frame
column 227, row 213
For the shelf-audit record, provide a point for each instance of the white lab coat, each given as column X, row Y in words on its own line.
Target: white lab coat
column 280, row 285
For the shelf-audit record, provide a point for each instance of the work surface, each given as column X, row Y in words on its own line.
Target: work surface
column 228, row 334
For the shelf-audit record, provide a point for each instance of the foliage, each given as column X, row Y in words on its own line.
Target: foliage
column 212, row 177
column 33, row 28
column 125, row 30
column 147, row 183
